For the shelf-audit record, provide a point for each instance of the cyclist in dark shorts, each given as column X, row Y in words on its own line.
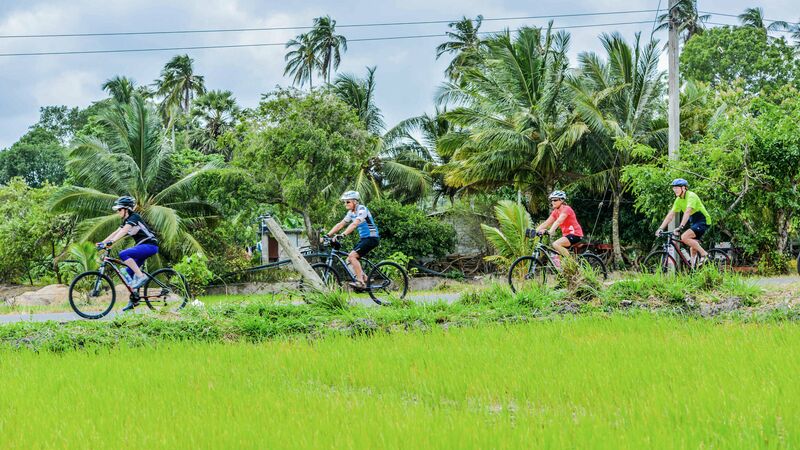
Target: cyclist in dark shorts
column 146, row 242
column 562, row 217
column 695, row 220
column 357, row 217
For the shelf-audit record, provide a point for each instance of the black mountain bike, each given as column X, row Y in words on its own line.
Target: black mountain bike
column 663, row 261
column 387, row 281
column 92, row 294
column 540, row 267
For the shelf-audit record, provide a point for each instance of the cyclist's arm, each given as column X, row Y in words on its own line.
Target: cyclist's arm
column 667, row 219
column 336, row 228
column 352, row 226
column 686, row 215
column 561, row 218
column 545, row 225
column 119, row 234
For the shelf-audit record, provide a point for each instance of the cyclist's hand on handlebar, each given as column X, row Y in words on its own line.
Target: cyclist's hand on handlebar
column 104, row 245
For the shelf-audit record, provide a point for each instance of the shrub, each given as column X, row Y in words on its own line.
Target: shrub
column 407, row 229
column 195, row 269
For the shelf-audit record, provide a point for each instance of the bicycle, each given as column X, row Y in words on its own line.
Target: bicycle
column 92, row 294
column 387, row 281
column 540, row 265
column 662, row 261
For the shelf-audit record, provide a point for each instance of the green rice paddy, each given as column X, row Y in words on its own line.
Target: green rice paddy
column 636, row 381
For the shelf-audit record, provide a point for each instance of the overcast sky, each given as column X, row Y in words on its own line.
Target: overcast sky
column 407, row 70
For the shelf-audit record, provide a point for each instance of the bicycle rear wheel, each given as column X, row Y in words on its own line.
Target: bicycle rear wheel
column 658, row 261
column 387, row 282
column 166, row 291
column 595, row 263
column 92, row 295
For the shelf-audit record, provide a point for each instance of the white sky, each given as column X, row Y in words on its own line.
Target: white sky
column 407, row 75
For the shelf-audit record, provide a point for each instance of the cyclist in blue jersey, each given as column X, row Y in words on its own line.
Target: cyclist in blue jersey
column 357, row 217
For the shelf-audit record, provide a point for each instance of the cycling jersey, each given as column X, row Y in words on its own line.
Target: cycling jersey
column 141, row 233
column 367, row 227
column 691, row 200
column 570, row 225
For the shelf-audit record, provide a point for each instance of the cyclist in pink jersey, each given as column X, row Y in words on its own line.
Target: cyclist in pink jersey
column 562, row 217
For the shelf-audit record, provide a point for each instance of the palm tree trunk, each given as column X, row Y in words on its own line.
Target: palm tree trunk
column 616, row 197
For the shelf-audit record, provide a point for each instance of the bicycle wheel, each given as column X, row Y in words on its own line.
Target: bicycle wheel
column 387, row 282
column 595, row 263
column 658, row 261
column 527, row 270
column 327, row 274
column 92, row 295
column 719, row 259
column 166, row 290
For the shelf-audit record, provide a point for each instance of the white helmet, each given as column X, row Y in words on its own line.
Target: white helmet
column 350, row 195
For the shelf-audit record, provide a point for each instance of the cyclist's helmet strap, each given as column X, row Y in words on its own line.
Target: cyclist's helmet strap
column 680, row 182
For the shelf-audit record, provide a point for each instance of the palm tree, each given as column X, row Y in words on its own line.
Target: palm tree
column 213, row 113
column 415, row 141
column 754, row 18
column 179, row 84
column 131, row 158
column 360, row 95
column 513, row 114
column 120, row 88
column 618, row 98
column 690, row 22
column 465, row 43
column 301, row 60
column 328, row 45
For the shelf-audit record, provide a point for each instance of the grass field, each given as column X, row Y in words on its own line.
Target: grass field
column 640, row 381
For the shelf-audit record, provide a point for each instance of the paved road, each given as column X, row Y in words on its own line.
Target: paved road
column 70, row 316
column 773, row 282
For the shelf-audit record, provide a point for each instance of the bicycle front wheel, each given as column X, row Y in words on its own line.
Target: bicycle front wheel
column 166, row 291
column 92, row 295
column 659, row 261
column 387, row 282
column 527, row 271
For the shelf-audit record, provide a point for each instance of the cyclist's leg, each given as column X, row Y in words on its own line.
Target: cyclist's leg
column 561, row 245
column 362, row 248
column 691, row 238
column 135, row 256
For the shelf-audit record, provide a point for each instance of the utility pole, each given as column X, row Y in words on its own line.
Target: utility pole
column 673, row 114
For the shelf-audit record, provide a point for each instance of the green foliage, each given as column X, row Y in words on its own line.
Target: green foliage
column 37, row 157
column 408, row 230
column 725, row 55
column 85, row 255
column 509, row 239
column 304, row 147
column 195, row 269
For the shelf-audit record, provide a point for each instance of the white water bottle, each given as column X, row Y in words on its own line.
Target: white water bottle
column 685, row 254
column 126, row 277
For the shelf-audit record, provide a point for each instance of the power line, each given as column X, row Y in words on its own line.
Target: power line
column 735, row 16
column 275, row 44
column 306, row 27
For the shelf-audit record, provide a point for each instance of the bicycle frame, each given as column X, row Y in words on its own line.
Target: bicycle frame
column 671, row 241
column 333, row 255
column 115, row 263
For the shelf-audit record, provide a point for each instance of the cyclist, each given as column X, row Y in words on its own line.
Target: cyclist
column 146, row 242
column 695, row 220
column 358, row 217
column 562, row 217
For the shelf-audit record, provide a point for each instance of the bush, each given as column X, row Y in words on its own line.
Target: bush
column 195, row 269
column 407, row 229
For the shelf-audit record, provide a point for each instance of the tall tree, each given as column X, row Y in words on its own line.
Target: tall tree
column 301, row 60
column 618, row 96
column 360, row 95
column 465, row 43
column 328, row 46
column 179, row 84
column 754, row 18
column 213, row 113
column 513, row 113
column 120, row 88
column 690, row 21
column 132, row 159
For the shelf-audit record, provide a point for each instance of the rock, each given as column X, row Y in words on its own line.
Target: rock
column 626, row 304
column 48, row 295
column 713, row 309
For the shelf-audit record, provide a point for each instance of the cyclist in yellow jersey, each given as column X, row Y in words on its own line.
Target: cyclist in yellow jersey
column 695, row 220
